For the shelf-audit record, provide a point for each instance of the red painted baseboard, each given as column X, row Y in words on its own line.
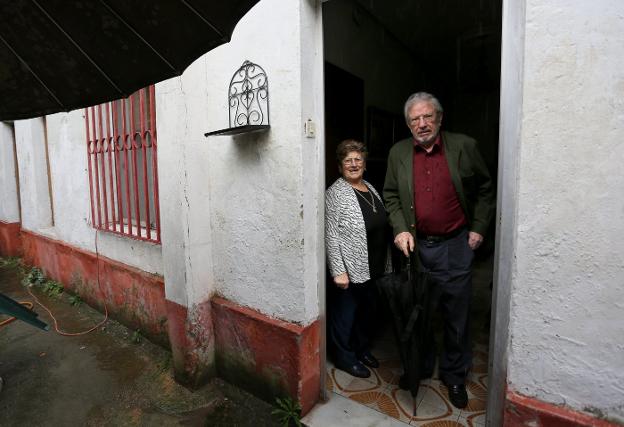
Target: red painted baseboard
column 192, row 342
column 523, row 411
column 268, row 357
column 10, row 239
column 133, row 297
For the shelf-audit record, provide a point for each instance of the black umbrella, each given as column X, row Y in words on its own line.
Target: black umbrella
column 59, row 55
column 407, row 294
column 15, row 309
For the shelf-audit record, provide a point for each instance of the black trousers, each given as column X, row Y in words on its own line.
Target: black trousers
column 350, row 322
column 449, row 264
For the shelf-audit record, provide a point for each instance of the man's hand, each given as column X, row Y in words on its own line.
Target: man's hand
column 405, row 242
column 474, row 240
column 342, row 280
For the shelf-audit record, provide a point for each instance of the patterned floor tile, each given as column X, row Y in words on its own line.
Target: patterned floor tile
column 380, row 401
column 474, row 420
column 439, row 423
column 345, row 384
column 475, row 389
column 404, row 401
column 435, row 405
column 381, row 392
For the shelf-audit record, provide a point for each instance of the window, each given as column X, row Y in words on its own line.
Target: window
column 123, row 177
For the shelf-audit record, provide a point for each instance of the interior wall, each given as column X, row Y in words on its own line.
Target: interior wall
column 399, row 47
column 374, row 74
column 356, row 42
column 568, row 271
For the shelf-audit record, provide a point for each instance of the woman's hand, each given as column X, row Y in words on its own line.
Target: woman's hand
column 342, row 281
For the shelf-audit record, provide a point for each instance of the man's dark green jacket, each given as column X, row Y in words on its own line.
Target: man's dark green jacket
column 469, row 174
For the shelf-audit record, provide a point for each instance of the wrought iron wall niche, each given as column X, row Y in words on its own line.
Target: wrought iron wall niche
column 248, row 101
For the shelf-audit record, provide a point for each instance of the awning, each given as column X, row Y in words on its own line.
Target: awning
column 59, row 55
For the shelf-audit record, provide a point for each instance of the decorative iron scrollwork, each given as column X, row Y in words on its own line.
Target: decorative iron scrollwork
column 248, row 96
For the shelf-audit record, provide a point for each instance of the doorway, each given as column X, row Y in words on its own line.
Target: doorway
column 393, row 49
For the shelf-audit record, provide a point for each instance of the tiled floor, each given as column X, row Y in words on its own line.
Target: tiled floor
column 433, row 409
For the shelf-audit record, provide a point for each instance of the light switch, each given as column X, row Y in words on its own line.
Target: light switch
column 309, row 128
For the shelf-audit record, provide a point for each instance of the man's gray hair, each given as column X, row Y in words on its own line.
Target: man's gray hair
column 420, row 97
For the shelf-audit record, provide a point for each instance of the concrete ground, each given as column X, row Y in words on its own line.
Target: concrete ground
column 109, row 377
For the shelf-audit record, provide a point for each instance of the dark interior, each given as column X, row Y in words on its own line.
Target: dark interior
column 378, row 52
column 450, row 48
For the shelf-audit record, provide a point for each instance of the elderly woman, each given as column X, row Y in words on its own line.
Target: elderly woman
column 355, row 239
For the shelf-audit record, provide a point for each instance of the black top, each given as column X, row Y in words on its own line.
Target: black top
column 375, row 223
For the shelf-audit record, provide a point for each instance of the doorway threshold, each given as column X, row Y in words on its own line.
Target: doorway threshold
column 341, row 411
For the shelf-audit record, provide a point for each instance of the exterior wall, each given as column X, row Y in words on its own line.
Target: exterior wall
column 10, row 239
column 129, row 295
column 56, row 232
column 72, row 209
column 524, row 411
column 68, row 185
column 10, row 227
column 33, row 169
column 567, row 272
column 9, row 208
column 242, row 216
column 246, row 343
column 235, row 205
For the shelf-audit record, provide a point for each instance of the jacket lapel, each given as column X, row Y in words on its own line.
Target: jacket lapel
column 407, row 164
column 453, row 155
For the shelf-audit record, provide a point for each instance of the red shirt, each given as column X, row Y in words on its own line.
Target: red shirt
column 436, row 205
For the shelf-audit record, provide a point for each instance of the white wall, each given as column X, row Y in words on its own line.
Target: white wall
column 68, row 186
column 33, row 168
column 9, row 204
column 236, row 207
column 67, row 148
column 566, row 331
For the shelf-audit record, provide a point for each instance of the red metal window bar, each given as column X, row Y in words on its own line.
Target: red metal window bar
column 123, row 173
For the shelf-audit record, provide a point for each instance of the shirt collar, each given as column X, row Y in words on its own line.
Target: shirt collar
column 437, row 144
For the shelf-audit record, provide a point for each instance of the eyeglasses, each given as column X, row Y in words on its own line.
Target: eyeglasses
column 352, row 160
column 428, row 118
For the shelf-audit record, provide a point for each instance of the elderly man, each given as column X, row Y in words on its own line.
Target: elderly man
column 440, row 201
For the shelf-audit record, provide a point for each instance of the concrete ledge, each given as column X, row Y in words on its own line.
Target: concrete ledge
column 265, row 356
column 10, row 239
column 133, row 297
column 527, row 411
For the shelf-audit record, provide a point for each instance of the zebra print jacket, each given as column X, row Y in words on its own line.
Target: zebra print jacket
column 345, row 232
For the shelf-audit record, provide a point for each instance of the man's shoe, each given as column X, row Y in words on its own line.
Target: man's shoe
column 356, row 370
column 369, row 360
column 457, row 395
